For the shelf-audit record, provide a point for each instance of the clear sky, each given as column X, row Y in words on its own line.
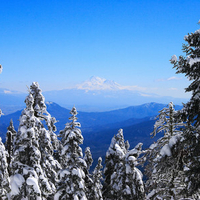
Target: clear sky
column 64, row 42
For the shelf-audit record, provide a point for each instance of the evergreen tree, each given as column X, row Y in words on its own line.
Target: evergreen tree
column 165, row 167
column 122, row 179
column 88, row 181
column 72, row 177
column 126, row 180
column 10, row 140
column 88, row 158
column 4, row 176
column 96, row 193
column 28, row 181
column 114, row 157
column 48, row 142
column 40, row 111
column 190, row 66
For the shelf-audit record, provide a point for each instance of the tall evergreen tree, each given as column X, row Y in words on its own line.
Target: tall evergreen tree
column 40, row 111
column 96, row 190
column 122, row 179
column 165, row 167
column 88, row 157
column 190, row 66
column 114, row 157
column 126, row 180
column 48, row 141
column 4, row 176
column 28, row 181
column 72, row 177
column 10, row 140
column 88, row 180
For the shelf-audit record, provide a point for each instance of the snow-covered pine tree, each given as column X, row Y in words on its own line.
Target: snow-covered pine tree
column 48, row 141
column 126, row 180
column 88, row 181
column 10, row 140
column 40, row 111
column 4, row 176
column 114, row 157
column 88, row 158
column 96, row 190
column 28, row 180
column 71, row 183
column 190, row 66
column 164, row 168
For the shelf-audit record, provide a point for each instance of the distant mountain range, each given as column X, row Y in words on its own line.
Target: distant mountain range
column 95, row 94
column 99, row 94
column 98, row 128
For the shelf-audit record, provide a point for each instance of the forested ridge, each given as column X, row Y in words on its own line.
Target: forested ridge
column 35, row 163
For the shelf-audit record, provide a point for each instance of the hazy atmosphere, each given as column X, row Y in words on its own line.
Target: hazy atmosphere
column 99, row 100
column 61, row 44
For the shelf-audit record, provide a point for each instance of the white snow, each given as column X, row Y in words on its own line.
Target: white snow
column 63, row 173
column 16, row 182
column 173, row 59
column 192, row 61
column 165, row 151
column 153, row 146
column 34, row 182
column 77, row 172
column 76, row 197
column 173, row 140
column 119, row 151
column 57, row 195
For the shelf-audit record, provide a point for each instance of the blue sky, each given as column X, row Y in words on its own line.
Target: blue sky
column 65, row 42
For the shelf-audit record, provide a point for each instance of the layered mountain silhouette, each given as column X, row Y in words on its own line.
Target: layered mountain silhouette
column 98, row 128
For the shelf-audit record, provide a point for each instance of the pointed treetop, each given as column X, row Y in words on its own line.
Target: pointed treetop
column 29, row 100
column 73, row 111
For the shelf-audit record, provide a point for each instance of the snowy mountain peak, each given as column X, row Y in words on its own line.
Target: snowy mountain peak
column 97, row 83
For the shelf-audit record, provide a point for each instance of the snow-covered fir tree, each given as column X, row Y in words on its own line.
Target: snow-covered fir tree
column 96, row 190
column 72, row 177
column 125, row 180
column 28, row 180
column 88, row 180
column 114, row 157
column 48, row 142
column 10, row 140
column 40, row 111
column 190, row 66
column 164, row 168
column 4, row 176
column 88, row 157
